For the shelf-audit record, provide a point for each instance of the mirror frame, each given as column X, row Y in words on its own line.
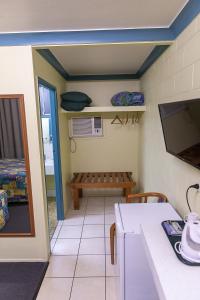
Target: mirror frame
column 20, row 98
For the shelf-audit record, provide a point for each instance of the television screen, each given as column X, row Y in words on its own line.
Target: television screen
column 181, row 129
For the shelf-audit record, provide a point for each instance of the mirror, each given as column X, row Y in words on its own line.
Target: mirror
column 16, row 209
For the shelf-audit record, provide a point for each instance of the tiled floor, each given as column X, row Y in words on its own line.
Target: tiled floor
column 79, row 267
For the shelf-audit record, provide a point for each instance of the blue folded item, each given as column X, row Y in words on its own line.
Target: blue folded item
column 128, row 99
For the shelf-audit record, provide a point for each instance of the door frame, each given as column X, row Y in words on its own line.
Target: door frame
column 56, row 146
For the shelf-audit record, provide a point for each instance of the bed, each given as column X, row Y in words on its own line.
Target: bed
column 13, row 179
column 100, row 180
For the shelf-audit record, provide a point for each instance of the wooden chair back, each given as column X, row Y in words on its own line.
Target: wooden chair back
column 143, row 197
column 136, row 198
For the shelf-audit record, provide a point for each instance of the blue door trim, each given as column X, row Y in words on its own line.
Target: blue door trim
column 56, row 147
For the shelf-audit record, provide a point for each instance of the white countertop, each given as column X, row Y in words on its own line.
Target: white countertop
column 137, row 214
column 174, row 280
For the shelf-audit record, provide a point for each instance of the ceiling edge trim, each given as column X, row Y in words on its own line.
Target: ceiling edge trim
column 189, row 12
column 52, row 60
column 185, row 17
column 103, row 77
column 153, row 56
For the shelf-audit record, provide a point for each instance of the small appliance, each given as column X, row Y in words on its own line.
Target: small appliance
column 189, row 247
column 86, row 127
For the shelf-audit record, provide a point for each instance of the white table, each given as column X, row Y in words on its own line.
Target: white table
column 173, row 279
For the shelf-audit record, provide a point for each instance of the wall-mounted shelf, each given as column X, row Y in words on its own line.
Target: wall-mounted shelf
column 95, row 109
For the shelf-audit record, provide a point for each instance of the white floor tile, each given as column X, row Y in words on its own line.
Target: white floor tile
column 72, row 219
column 52, row 244
column 107, row 243
column 55, row 288
column 123, row 200
column 94, row 219
column 92, row 210
column 61, row 266
column 110, row 209
column 56, row 232
column 112, row 200
column 83, row 203
column 109, row 219
column 66, row 247
column 90, row 265
column 111, row 270
column 112, row 285
column 79, row 212
column 88, row 289
column 95, row 205
column 107, row 231
column 93, row 231
column 96, row 199
column 68, row 232
column 92, row 246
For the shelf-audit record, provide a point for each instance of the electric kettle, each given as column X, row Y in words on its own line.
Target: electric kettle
column 189, row 248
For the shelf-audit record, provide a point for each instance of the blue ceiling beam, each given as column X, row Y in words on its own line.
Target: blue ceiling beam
column 153, row 56
column 102, row 77
column 52, row 60
column 189, row 12
column 156, row 52
column 87, row 37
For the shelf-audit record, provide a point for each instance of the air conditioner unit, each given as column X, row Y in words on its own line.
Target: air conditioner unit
column 86, row 126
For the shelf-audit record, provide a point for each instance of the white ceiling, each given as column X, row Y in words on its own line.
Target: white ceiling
column 50, row 15
column 102, row 59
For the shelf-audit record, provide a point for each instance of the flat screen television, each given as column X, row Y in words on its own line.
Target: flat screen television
column 181, row 129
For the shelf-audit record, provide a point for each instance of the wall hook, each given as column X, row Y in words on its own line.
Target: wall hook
column 117, row 120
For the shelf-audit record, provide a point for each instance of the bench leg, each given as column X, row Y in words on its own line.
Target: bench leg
column 124, row 192
column 75, row 198
column 127, row 192
column 80, row 193
column 112, row 242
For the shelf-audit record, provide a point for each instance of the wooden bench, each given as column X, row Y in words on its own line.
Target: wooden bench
column 97, row 180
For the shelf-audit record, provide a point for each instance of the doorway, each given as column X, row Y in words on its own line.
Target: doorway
column 51, row 151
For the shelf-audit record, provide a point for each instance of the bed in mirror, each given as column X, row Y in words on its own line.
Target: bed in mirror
column 16, row 208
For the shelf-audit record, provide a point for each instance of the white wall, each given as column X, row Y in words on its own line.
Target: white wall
column 174, row 77
column 45, row 71
column 117, row 150
column 16, row 73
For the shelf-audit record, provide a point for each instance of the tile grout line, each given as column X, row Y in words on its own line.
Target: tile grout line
column 55, row 241
column 78, row 251
column 81, row 237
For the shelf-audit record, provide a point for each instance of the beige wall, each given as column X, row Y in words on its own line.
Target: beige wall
column 45, row 71
column 16, row 73
column 117, row 150
column 174, row 77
